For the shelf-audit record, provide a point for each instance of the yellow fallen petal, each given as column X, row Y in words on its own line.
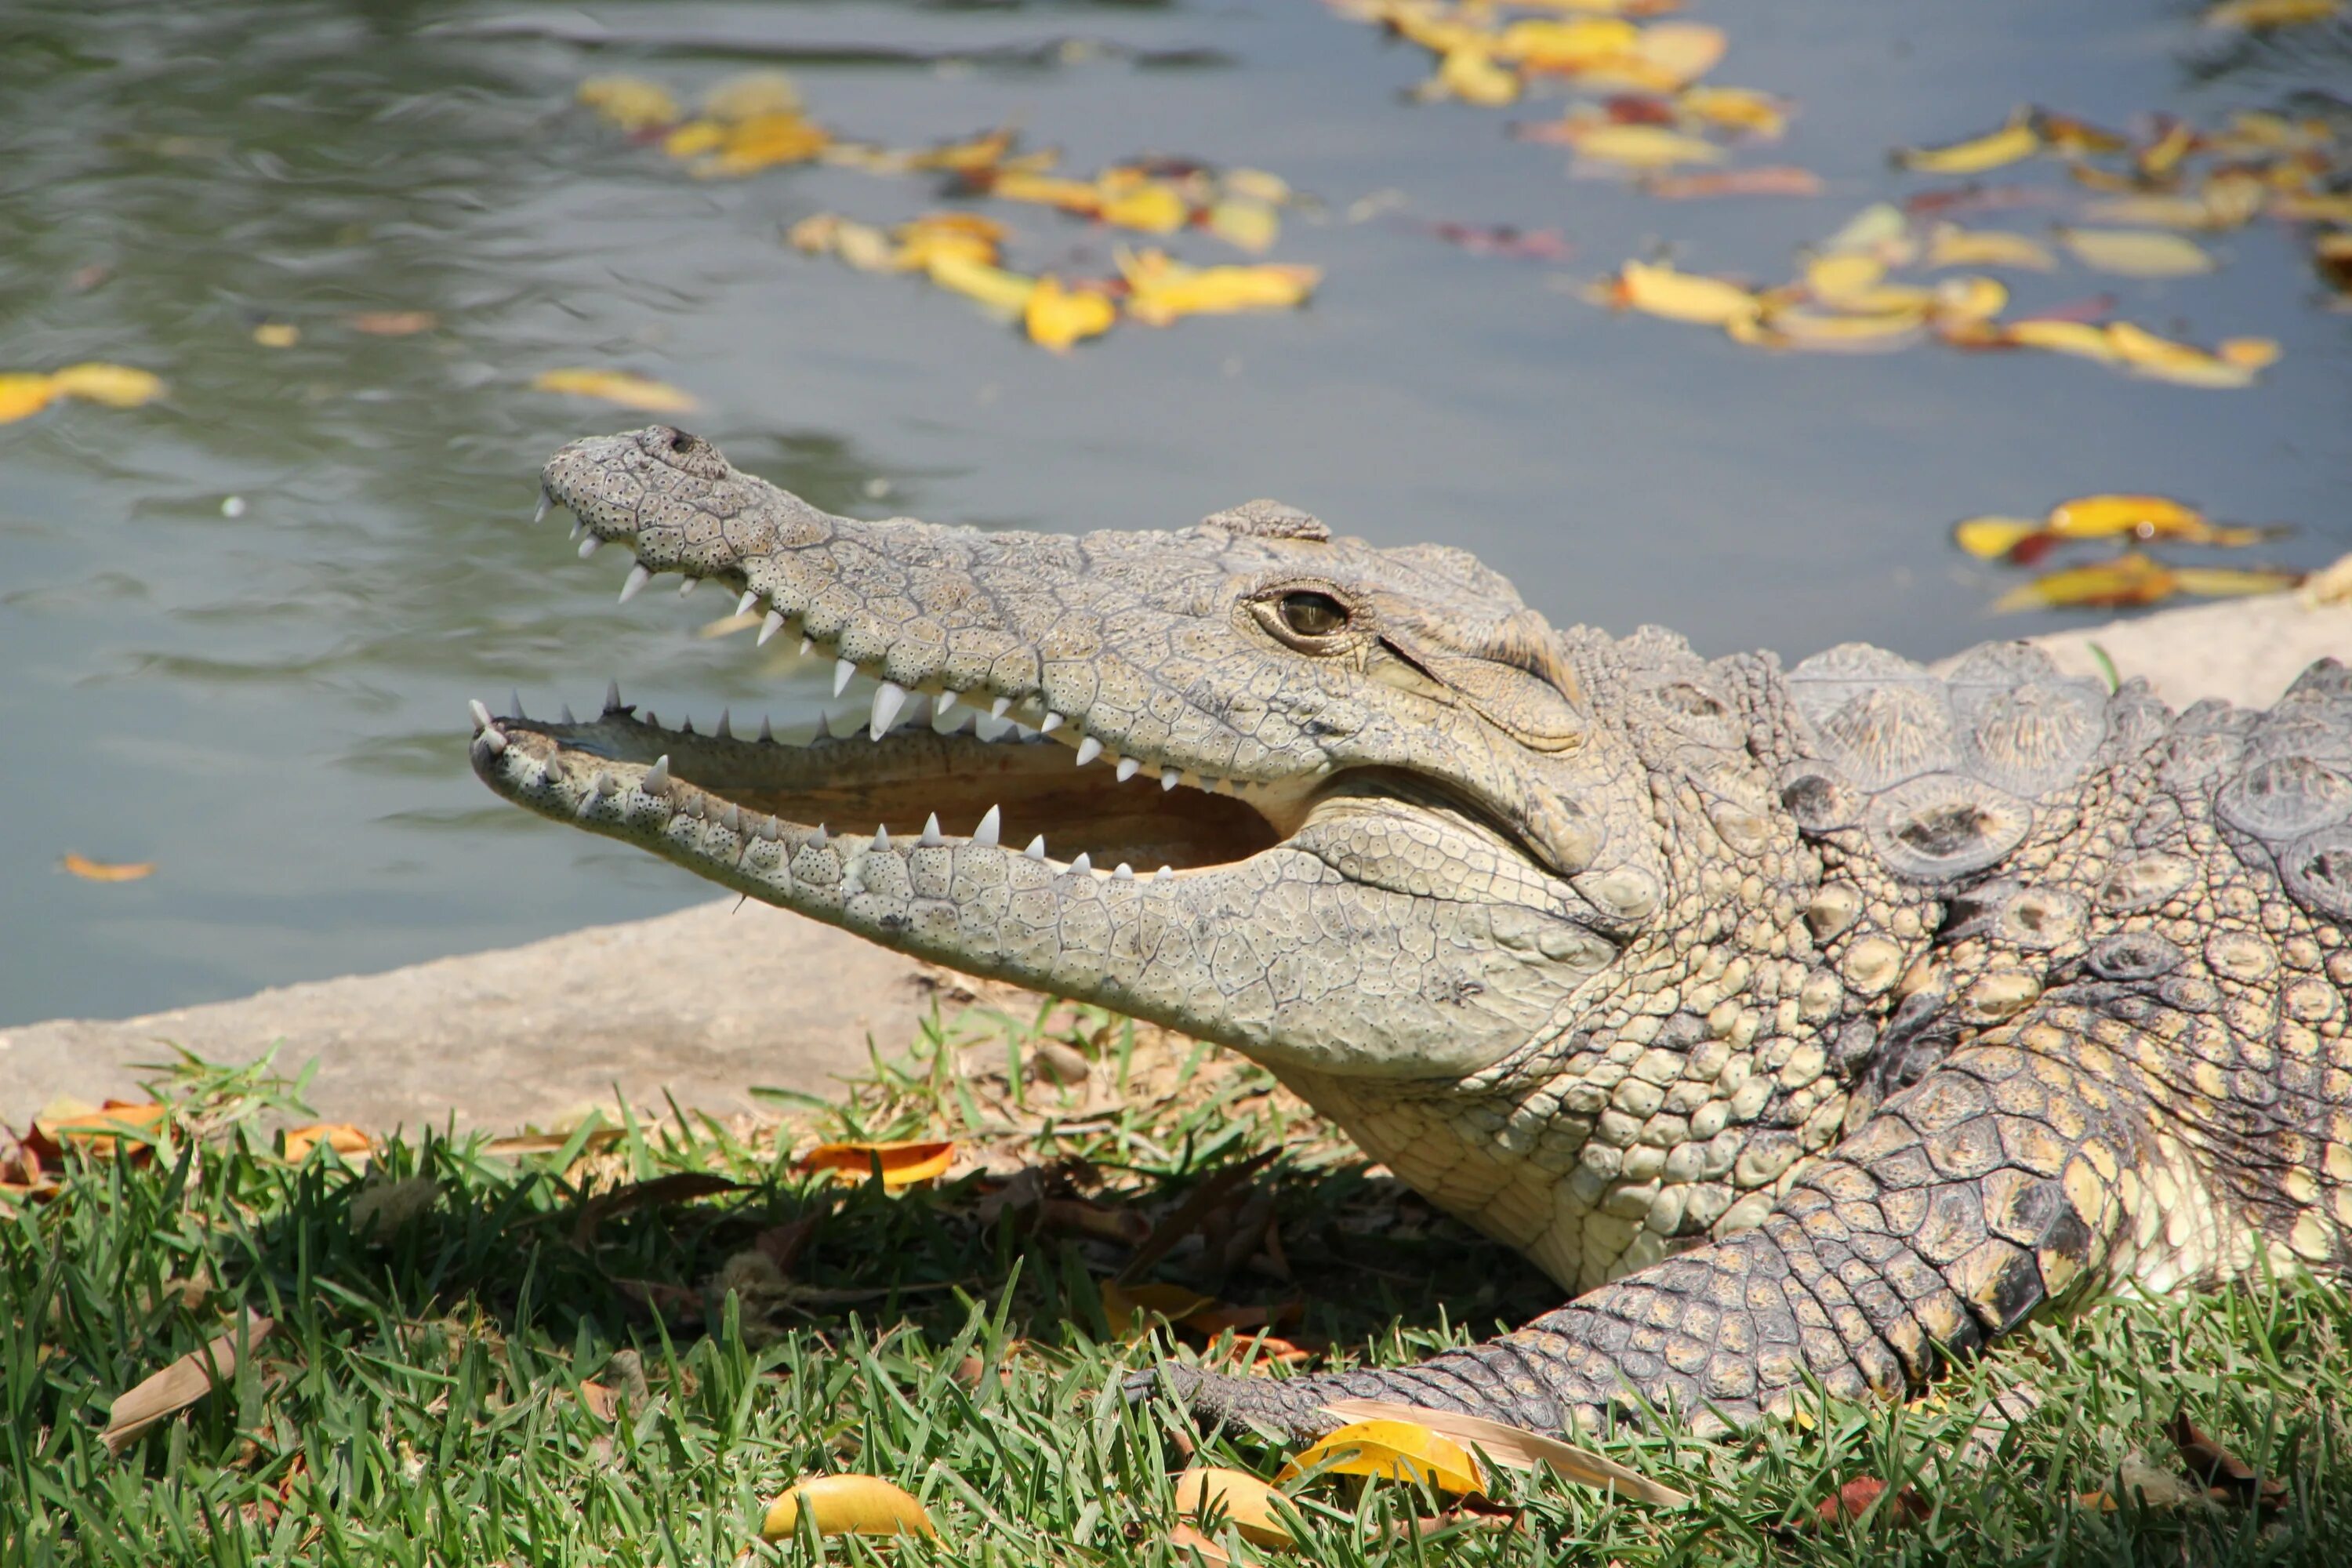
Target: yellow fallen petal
column 2078, row 338
column 1990, row 538
column 630, row 102
column 21, row 395
column 1250, row 224
column 1675, row 54
column 1399, row 1450
column 1056, row 318
column 2012, row 141
column 1948, row 245
column 1471, row 74
column 1640, row 146
column 2270, row 13
column 1000, row 291
column 904, row 1162
column 1154, row 207
column 1206, row 1493
column 116, row 386
column 2104, row 516
column 2136, row 252
column 1661, row 290
column 617, row 386
column 847, row 1505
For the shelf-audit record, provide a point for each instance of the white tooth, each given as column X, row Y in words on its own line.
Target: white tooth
column 578, row 528
column 820, row 838
column 808, row 644
column 770, row 628
column 945, row 702
column 1128, row 768
column 1165, row 874
column 842, row 670
column 481, row 713
column 1051, row 722
column 1083, row 863
column 882, row 837
column 589, row 546
column 931, row 838
column 1169, row 778
column 539, row 512
column 1036, row 850
column 731, row 817
column 612, row 697
column 771, row 830
column 1089, row 750
column 688, row 586
column 605, row 785
column 514, row 704
column 568, row 719
column 767, row 730
column 725, row 731
column 635, row 583
column 657, row 779
column 888, row 698
column 743, row 604
column 997, row 709
column 1125, row 873
column 492, row 741
column 991, row 822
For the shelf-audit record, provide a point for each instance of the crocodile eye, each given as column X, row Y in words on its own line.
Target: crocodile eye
column 1311, row 615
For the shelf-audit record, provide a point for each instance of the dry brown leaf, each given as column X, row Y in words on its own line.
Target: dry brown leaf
column 179, row 1385
column 1518, row 1449
column 340, row 1136
column 1853, row 1500
column 676, row 1187
column 1217, row 1492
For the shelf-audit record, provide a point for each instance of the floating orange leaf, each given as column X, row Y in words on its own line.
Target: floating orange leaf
column 1398, row 1450
column 903, row 1163
column 2136, row 252
column 21, row 395
column 847, row 1505
column 1208, row 1493
column 2271, row 13
column 617, row 386
column 90, row 870
column 1661, row 291
column 1758, row 114
column 116, row 386
column 2015, row 141
column 1152, row 207
column 1056, row 317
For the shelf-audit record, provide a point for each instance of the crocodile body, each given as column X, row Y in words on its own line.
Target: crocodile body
column 1804, row 1024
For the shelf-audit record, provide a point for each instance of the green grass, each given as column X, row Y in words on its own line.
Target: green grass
column 420, row 1399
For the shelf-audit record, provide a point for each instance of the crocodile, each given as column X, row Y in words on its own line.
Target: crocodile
column 1812, row 1027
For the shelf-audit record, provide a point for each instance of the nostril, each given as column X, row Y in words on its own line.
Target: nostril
column 679, row 441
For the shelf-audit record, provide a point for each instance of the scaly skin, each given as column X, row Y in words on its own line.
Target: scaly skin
column 1818, row 1024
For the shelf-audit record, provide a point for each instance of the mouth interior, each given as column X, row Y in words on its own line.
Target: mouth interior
column 912, row 775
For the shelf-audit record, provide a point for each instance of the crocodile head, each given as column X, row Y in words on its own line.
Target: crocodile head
column 1340, row 807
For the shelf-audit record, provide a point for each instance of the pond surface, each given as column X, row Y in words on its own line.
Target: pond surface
column 239, row 625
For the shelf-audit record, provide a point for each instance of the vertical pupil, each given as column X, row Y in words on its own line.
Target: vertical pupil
column 1312, row 614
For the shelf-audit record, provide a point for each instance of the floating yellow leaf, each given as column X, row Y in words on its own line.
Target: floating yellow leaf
column 278, row 334
column 2329, row 208
column 763, row 142
column 21, row 395
column 1153, row 206
column 847, row 1505
column 934, row 235
column 1399, row 1450
column 2229, row 583
column 2165, row 359
column 1881, row 229
column 2160, row 157
column 1252, row 225
column 1517, row 1448
column 2166, row 211
column 2011, row 142
column 2133, row 579
column 2103, row 516
column 90, row 870
column 1740, row 109
column 1256, row 185
column 1990, row 538
column 1162, row 288
column 695, row 138
column 752, row 95
column 1948, row 245
column 1638, row 146
column 1057, row 317
column 1072, row 195
column 2075, row 138
column 2136, row 252
column 2081, row 338
column 630, row 102
column 116, row 386
column 1822, row 332
column 1671, row 55
column 1842, row 274
column 1471, row 74
column 1002, row 291
column 1207, row 1493
column 1968, row 300
column 2271, row 13
column 1661, row 290
column 1568, row 46
column 617, row 386
column 861, row 245
column 903, row 1163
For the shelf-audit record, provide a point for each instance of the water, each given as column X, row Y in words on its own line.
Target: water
column 270, row 705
